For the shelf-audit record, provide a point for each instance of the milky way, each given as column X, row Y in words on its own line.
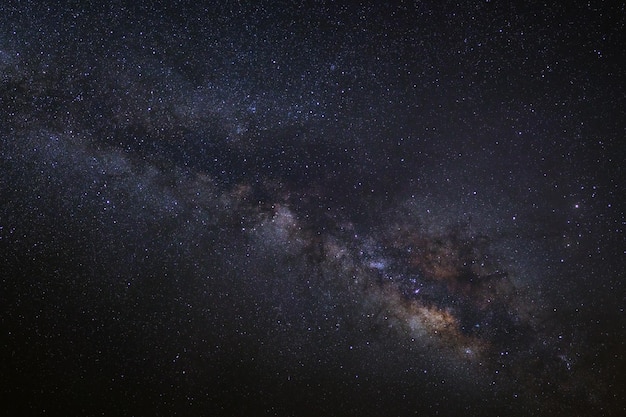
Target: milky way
column 323, row 209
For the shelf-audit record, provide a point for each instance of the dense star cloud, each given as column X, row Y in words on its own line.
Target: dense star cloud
column 312, row 209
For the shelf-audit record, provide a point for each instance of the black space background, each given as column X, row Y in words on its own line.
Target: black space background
column 144, row 145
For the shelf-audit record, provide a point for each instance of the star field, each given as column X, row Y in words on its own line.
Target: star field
column 318, row 208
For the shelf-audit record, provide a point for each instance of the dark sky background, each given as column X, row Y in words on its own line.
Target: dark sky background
column 312, row 208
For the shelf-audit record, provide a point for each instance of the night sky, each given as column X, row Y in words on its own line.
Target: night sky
column 312, row 208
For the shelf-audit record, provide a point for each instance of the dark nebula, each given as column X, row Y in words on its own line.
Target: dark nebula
column 288, row 208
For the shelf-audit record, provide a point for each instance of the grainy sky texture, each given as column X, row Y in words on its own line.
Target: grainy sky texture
column 312, row 208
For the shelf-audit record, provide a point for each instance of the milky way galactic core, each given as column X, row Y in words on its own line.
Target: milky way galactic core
column 312, row 209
